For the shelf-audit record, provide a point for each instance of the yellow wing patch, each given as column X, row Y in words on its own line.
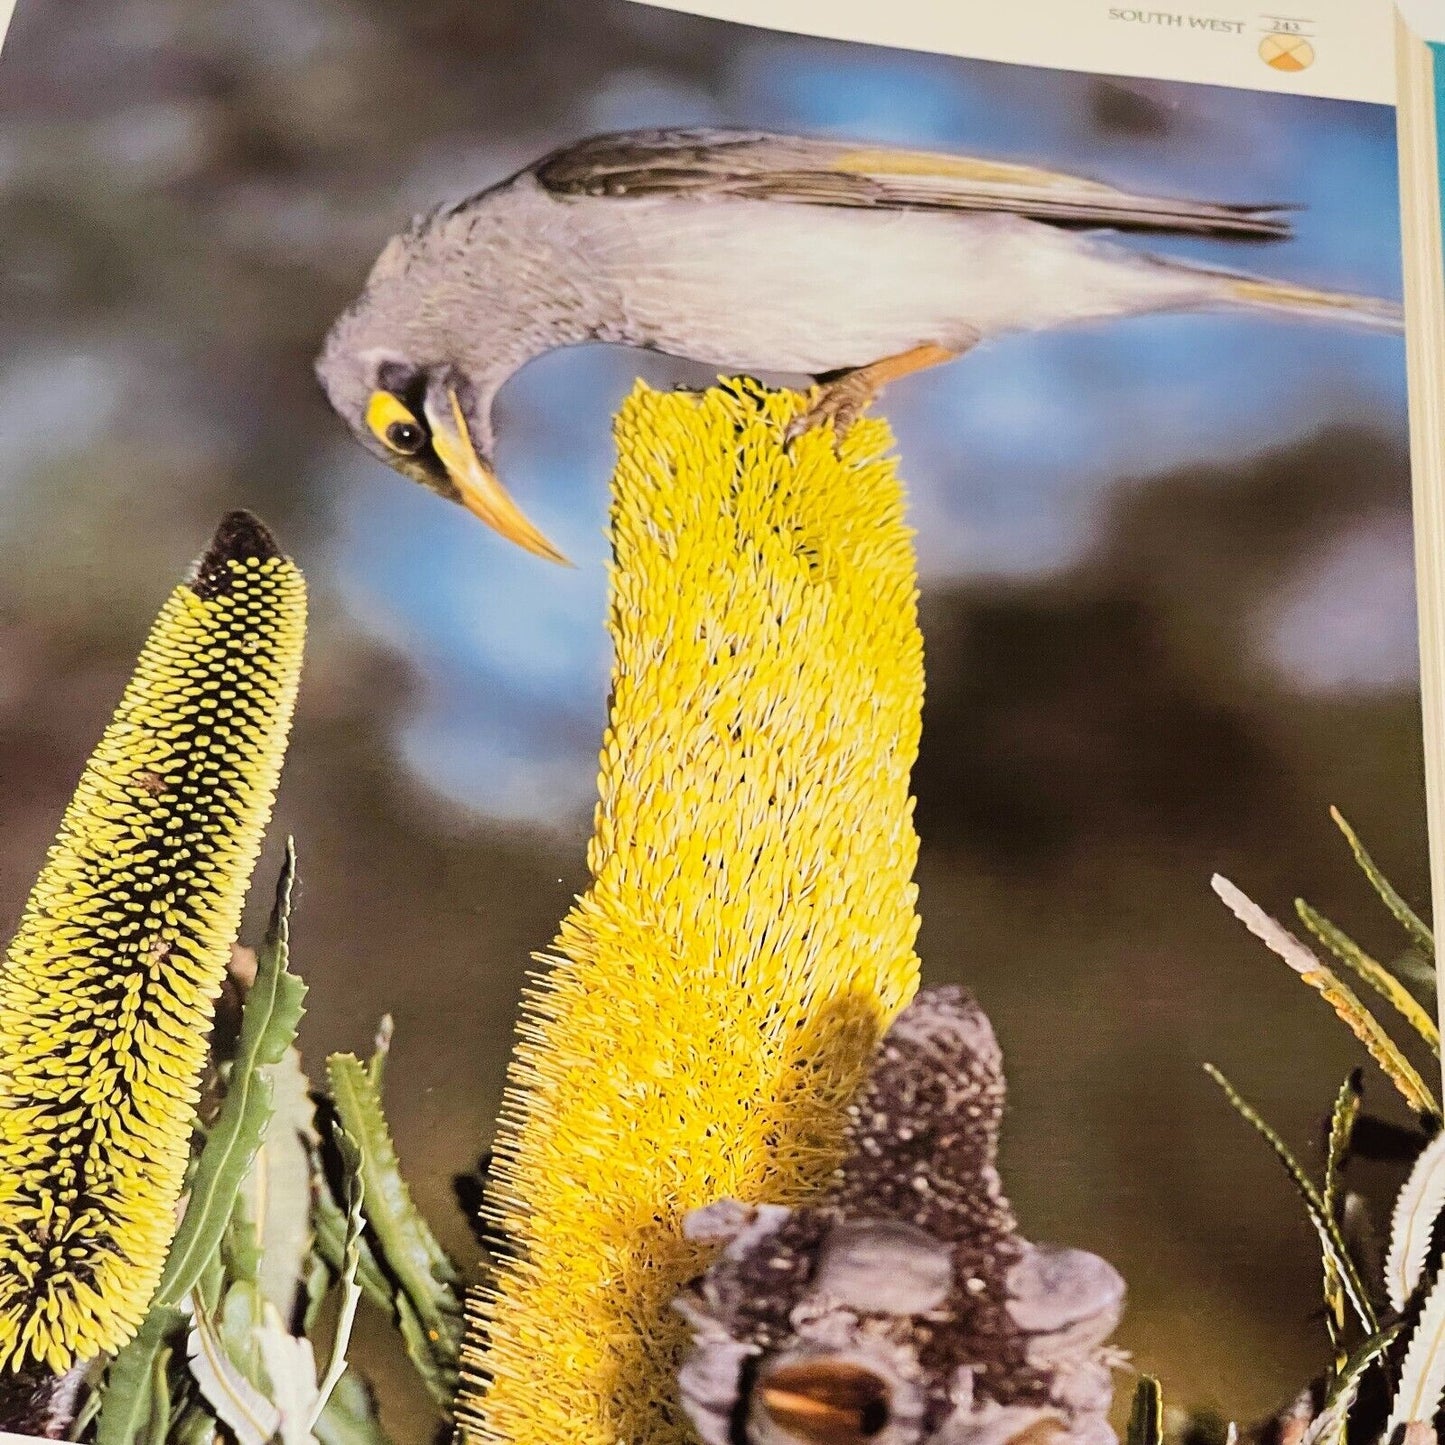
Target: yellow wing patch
column 962, row 168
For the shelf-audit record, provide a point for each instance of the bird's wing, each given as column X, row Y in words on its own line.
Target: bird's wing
column 702, row 164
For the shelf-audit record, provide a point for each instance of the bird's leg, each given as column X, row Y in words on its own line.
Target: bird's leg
column 846, row 395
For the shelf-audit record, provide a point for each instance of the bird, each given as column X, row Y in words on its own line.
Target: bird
column 755, row 252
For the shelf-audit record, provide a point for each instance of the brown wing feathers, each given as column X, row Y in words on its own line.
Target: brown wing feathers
column 753, row 164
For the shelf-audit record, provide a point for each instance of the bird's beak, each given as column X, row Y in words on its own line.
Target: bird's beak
column 477, row 486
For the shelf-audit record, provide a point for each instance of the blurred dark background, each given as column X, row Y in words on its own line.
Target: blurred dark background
column 1167, row 578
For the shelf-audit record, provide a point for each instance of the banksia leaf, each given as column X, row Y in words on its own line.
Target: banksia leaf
column 129, row 1407
column 1422, row 1371
column 402, row 1243
column 330, row 1222
column 106, row 997
column 350, row 1416
column 715, row 997
column 1331, row 1240
column 1146, row 1414
column 350, row 1264
column 1375, row 974
column 1328, row 1427
column 1417, row 1209
column 272, row 1012
column 1342, row 1126
column 278, row 1185
column 1355, row 1016
column 237, row 1403
column 1408, row 919
column 290, row 1366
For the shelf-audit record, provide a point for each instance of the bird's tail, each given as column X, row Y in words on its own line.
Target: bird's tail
column 1371, row 312
column 1214, row 288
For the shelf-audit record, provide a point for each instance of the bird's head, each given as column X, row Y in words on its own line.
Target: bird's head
column 420, row 412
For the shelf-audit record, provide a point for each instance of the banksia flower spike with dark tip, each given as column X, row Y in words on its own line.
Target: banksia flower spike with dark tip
column 107, row 992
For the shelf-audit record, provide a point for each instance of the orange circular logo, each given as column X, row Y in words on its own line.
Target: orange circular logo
column 1289, row 53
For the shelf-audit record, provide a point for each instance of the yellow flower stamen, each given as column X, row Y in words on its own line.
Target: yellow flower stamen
column 749, row 932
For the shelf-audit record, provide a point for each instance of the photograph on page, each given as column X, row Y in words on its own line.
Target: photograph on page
column 837, row 593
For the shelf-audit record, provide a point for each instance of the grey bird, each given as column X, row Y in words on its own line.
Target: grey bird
column 753, row 252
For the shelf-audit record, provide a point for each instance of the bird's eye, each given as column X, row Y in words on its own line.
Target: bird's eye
column 405, row 436
column 394, row 425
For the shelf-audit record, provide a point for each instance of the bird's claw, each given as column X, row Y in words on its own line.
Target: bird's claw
column 840, row 403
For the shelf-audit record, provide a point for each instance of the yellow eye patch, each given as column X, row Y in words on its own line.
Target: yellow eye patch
column 393, row 424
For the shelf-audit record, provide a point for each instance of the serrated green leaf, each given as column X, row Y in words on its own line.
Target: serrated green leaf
column 238, row 1404
column 351, row 1160
column 291, row 1372
column 1343, row 1118
column 419, row 1261
column 1422, row 937
column 160, row 1421
column 272, row 1012
column 1413, row 1220
column 1375, row 974
column 278, row 1186
column 329, row 1223
column 439, row 1377
column 405, row 1246
column 128, row 1397
column 195, row 1427
column 1328, row 1427
column 350, row 1416
column 1331, row 1240
column 1146, row 1414
column 1342, row 1126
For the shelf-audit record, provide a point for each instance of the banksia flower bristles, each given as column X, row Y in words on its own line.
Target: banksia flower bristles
column 105, row 1000
column 749, row 931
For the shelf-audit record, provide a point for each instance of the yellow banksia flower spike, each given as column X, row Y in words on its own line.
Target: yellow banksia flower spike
column 715, row 995
column 107, row 992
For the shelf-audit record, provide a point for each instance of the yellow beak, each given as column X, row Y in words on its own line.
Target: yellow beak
column 477, row 486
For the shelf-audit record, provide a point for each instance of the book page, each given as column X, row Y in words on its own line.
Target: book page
column 1338, row 48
